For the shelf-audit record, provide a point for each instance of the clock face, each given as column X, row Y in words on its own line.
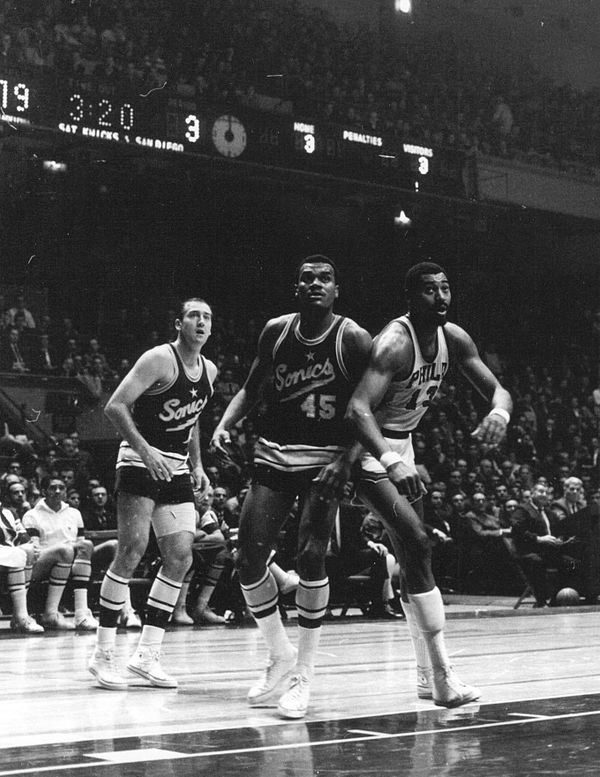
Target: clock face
column 229, row 136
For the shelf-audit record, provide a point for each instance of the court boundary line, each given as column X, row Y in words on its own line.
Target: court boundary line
column 297, row 745
column 280, row 722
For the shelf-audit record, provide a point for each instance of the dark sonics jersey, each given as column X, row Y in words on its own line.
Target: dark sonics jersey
column 304, row 425
column 166, row 416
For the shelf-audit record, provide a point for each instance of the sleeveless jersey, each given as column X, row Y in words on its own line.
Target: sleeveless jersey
column 166, row 417
column 406, row 401
column 304, row 425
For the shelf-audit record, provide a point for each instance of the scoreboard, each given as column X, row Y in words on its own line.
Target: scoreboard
column 171, row 124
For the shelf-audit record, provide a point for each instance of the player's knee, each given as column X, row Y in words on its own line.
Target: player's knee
column 65, row 553
column 84, row 548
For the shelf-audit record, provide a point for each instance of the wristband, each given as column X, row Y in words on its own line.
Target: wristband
column 389, row 458
column 501, row 412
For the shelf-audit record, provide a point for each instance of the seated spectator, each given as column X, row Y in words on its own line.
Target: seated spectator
column 15, row 497
column 211, row 557
column 12, row 355
column 99, row 516
column 356, row 547
column 490, row 559
column 539, row 549
column 572, row 499
column 233, row 507
column 58, row 531
column 443, row 547
column 20, row 309
column 17, row 556
column 226, row 387
column 44, row 359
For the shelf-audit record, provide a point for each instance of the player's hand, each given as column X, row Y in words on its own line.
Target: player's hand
column 331, row 480
column 219, row 442
column 156, row 464
column 201, row 481
column 378, row 547
column 407, row 481
column 491, row 430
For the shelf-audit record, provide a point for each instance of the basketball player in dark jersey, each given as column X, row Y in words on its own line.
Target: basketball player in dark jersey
column 314, row 358
column 155, row 409
column 408, row 361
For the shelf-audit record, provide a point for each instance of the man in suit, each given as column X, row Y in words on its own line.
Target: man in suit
column 572, row 500
column 537, row 546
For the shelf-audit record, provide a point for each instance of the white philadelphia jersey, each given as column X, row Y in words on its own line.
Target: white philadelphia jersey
column 406, row 401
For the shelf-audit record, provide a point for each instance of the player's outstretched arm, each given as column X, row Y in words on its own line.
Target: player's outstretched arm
column 492, row 428
column 150, row 369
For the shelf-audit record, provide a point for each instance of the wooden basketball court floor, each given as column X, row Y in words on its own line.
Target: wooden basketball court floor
column 539, row 713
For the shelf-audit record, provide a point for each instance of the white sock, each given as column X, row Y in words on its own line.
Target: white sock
column 418, row 642
column 261, row 598
column 428, row 610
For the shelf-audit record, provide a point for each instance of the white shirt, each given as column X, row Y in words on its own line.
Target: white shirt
column 53, row 527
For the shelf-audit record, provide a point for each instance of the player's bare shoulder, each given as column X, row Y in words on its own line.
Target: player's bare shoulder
column 157, row 365
column 459, row 341
column 356, row 346
column 393, row 349
column 211, row 370
column 271, row 332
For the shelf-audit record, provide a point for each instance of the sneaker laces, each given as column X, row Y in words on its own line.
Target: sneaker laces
column 298, row 685
column 109, row 657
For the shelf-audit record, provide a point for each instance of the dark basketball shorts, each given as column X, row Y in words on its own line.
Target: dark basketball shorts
column 138, row 482
column 292, row 483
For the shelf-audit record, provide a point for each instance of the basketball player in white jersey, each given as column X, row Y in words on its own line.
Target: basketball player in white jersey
column 409, row 359
column 156, row 409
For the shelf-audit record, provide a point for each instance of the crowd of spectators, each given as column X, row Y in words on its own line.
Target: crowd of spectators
column 283, row 56
column 472, row 489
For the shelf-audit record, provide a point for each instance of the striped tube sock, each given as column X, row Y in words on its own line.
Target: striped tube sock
column 15, row 579
column 113, row 595
column 162, row 600
column 59, row 574
column 81, row 572
column 312, row 598
column 261, row 598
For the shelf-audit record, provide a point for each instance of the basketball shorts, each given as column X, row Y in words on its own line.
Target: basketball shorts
column 370, row 468
column 174, row 509
column 292, row 483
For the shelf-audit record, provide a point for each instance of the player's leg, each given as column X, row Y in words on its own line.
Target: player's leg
column 312, row 597
column 174, row 526
column 16, row 561
column 218, row 559
column 424, row 608
column 81, row 573
column 55, row 564
column 263, row 513
column 102, row 557
column 134, row 515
